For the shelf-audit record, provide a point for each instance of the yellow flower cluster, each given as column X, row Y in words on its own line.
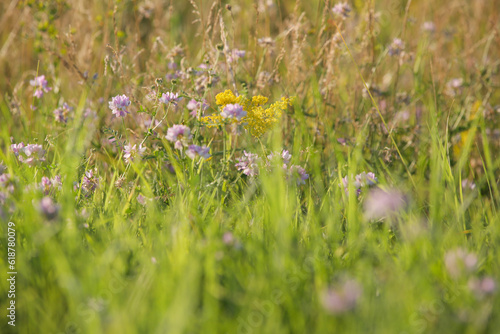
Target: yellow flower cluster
column 258, row 119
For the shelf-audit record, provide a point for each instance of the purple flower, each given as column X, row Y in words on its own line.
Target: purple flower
column 61, row 113
column 342, row 298
column 194, row 106
column 342, row 9
column 90, row 181
column 381, row 203
column 141, row 200
column 429, row 26
column 17, row 148
column 468, row 185
column 48, row 208
column 482, row 286
column 234, row 55
column 459, row 261
column 194, row 150
column 248, row 164
column 228, row 238
column 40, row 85
column 396, row 47
column 130, row 152
column 298, row 174
column 180, row 135
column 233, row 111
column 119, row 104
column 169, row 97
column 30, row 154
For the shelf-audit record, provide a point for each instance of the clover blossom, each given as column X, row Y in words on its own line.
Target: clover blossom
column 30, row 154
column 170, row 97
column 49, row 184
column 41, row 86
column 383, row 203
column 342, row 9
column 342, row 298
column 48, row 208
column 233, row 111
column 179, row 134
column 90, row 181
column 397, row 46
column 248, row 164
column 130, row 152
column 194, row 106
column 194, row 150
column 119, row 104
column 298, row 174
column 61, row 113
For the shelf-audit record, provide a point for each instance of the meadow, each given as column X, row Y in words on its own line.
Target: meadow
column 265, row 166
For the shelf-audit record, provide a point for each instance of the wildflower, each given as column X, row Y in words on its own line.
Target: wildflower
column 228, row 238
column 17, row 148
column 429, row 26
column 30, row 154
column 130, row 152
column 258, row 119
column 194, row 106
column 343, row 298
column 119, row 104
column 233, row 111
column 40, row 85
column 195, row 150
column 396, row 47
column 482, row 286
column 342, row 9
column 459, row 261
column 299, row 174
column 381, row 203
column 169, row 97
column 235, row 54
column 454, row 87
column 48, row 208
column 248, row 164
column 61, row 113
column 48, row 184
column 266, row 42
column 468, row 185
column 7, row 183
column 360, row 180
column 90, row 181
column 141, row 200
column 179, row 134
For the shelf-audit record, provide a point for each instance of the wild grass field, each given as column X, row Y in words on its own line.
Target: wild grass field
column 265, row 166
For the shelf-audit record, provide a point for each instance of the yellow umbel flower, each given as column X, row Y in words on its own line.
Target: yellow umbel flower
column 258, row 119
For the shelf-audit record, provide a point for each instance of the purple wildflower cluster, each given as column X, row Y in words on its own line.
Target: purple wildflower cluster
column 30, row 154
column 342, row 9
column 248, row 163
column 61, row 113
column 90, row 181
column 460, row 263
column 49, row 208
column 170, row 97
column 234, row 55
column 234, row 111
column 119, row 104
column 50, row 185
column 360, row 181
column 41, row 86
column 194, row 106
column 342, row 298
column 384, row 203
column 130, row 152
column 194, row 150
column 397, row 46
column 180, row 135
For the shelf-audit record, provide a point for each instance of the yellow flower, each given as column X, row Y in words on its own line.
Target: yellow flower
column 258, row 119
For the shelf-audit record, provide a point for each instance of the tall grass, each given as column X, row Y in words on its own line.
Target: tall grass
column 169, row 244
